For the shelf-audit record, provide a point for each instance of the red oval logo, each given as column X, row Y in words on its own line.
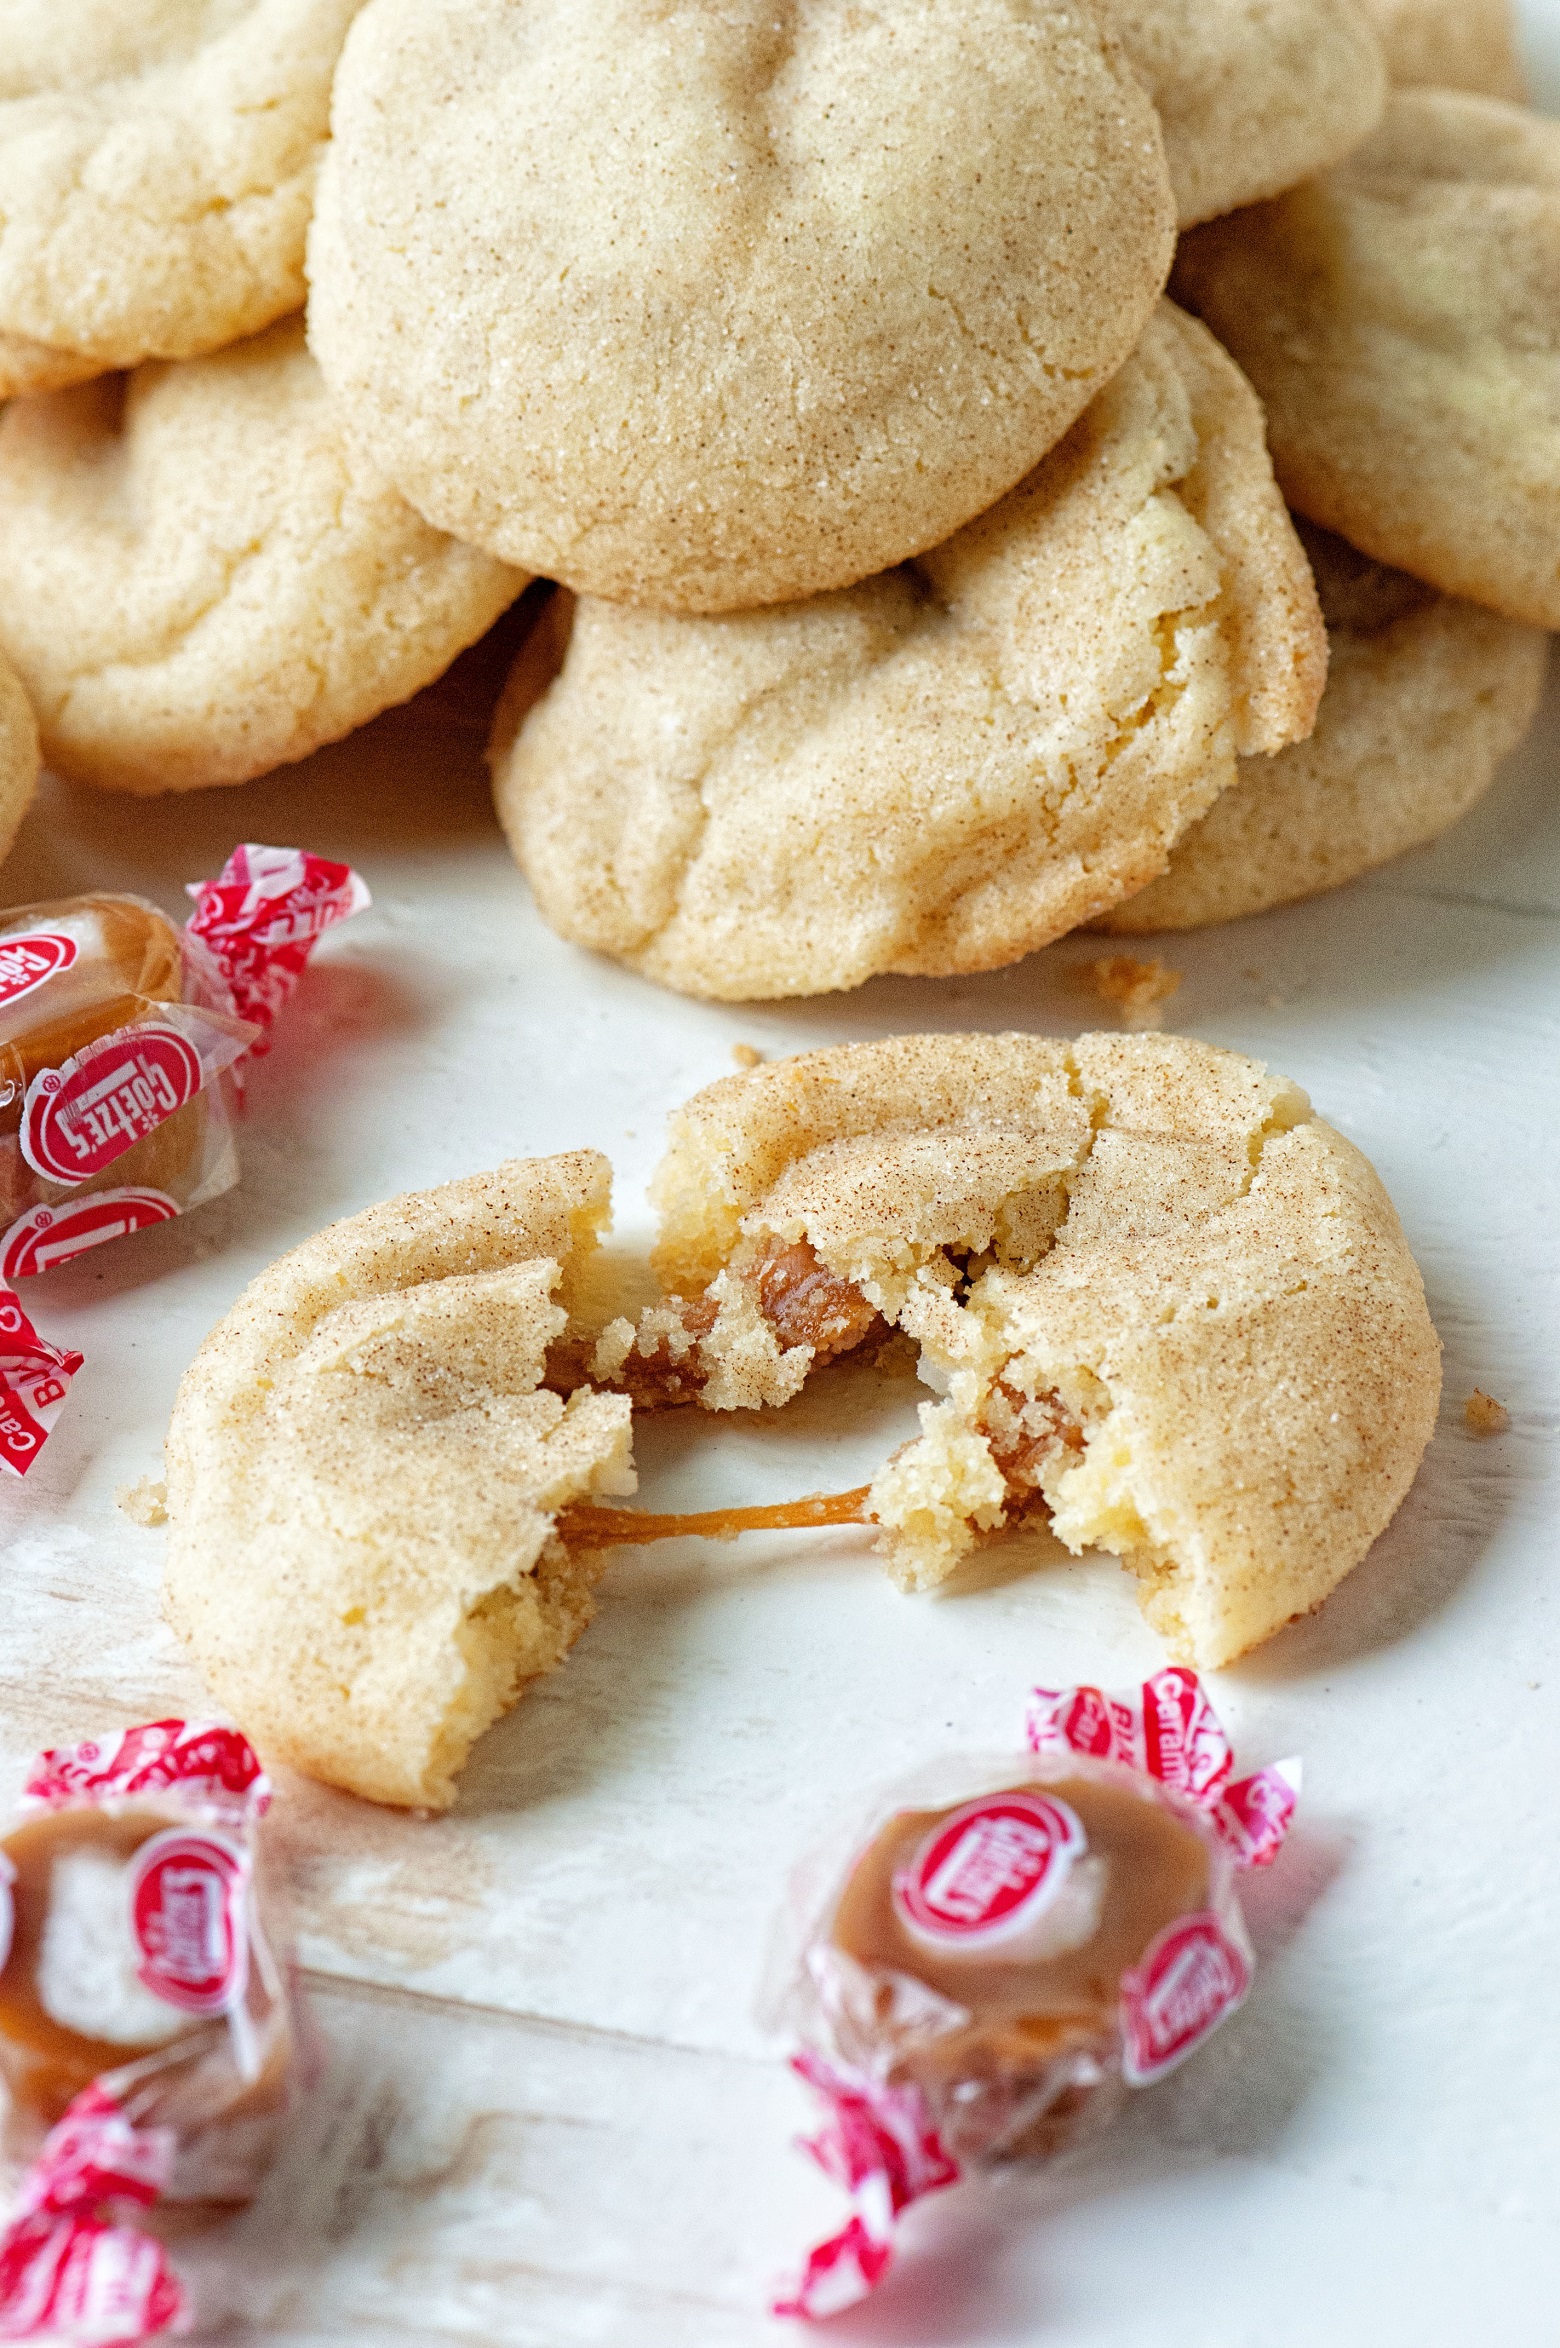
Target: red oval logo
column 79, row 1118
column 26, row 961
column 989, row 1868
column 47, row 1236
column 187, row 1916
column 1190, row 1977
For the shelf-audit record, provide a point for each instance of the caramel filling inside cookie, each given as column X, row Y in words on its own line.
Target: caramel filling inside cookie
column 810, row 1311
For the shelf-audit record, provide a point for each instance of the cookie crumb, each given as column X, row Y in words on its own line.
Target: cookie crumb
column 1484, row 1414
column 146, row 1500
column 1139, row 990
column 613, row 1348
column 747, row 1055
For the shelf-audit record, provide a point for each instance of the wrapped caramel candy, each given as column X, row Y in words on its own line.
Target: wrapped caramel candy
column 1004, row 1956
column 118, row 1033
column 146, row 2042
column 115, row 1041
column 121, row 1040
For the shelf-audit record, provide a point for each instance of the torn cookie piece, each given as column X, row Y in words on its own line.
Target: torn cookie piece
column 1160, row 1299
column 365, row 1471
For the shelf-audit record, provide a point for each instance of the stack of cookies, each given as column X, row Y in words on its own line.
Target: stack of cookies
column 928, row 580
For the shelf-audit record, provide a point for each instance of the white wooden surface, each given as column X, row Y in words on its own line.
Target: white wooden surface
column 547, row 2116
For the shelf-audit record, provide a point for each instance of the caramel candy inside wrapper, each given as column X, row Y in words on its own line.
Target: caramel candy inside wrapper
column 146, row 2034
column 98, row 1142
column 1005, row 1954
column 978, row 1952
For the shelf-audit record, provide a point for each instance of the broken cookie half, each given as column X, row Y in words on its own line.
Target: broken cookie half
column 365, row 1467
column 1162, row 1302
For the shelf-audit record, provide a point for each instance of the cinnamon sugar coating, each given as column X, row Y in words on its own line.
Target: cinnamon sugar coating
column 1426, row 694
column 701, row 308
column 1400, row 319
column 364, row 1471
column 199, row 581
column 157, row 168
column 1254, row 95
column 944, row 768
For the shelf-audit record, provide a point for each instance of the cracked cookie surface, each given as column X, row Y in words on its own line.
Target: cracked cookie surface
column 157, row 167
column 947, row 766
column 199, row 581
column 702, row 308
column 1253, row 95
column 1425, row 696
column 1160, row 1298
column 1400, row 318
column 365, row 1466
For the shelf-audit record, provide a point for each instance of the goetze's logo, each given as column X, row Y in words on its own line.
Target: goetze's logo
column 1189, row 1979
column 79, row 1118
column 47, row 1236
column 989, row 1869
column 187, row 1919
column 25, row 962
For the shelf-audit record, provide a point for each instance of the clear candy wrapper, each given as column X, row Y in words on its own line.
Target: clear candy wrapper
column 122, row 1040
column 146, row 2036
column 1015, row 1943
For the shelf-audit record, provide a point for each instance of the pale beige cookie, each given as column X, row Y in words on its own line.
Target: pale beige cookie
column 1164, row 1303
column 199, row 581
column 364, row 1468
column 19, row 755
column 1253, row 95
column 1425, row 696
column 1400, row 318
column 1452, row 45
column 943, row 768
column 702, row 307
column 157, row 166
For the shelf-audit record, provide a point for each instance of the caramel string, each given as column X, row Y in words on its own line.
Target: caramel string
column 603, row 1528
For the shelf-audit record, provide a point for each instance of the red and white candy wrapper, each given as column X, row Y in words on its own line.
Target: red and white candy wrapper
column 131, row 1898
column 122, row 1043
column 34, row 1381
column 880, row 2144
column 1169, row 1731
column 260, row 918
column 943, row 1976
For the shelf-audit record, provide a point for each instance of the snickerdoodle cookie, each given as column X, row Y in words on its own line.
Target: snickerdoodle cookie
column 199, row 580
column 1253, row 95
column 702, row 307
column 1451, row 45
column 157, row 166
column 944, row 767
column 1425, row 696
column 1164, row 1303
column 19, row 756
column 1400, row 317
column 364, row 1469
